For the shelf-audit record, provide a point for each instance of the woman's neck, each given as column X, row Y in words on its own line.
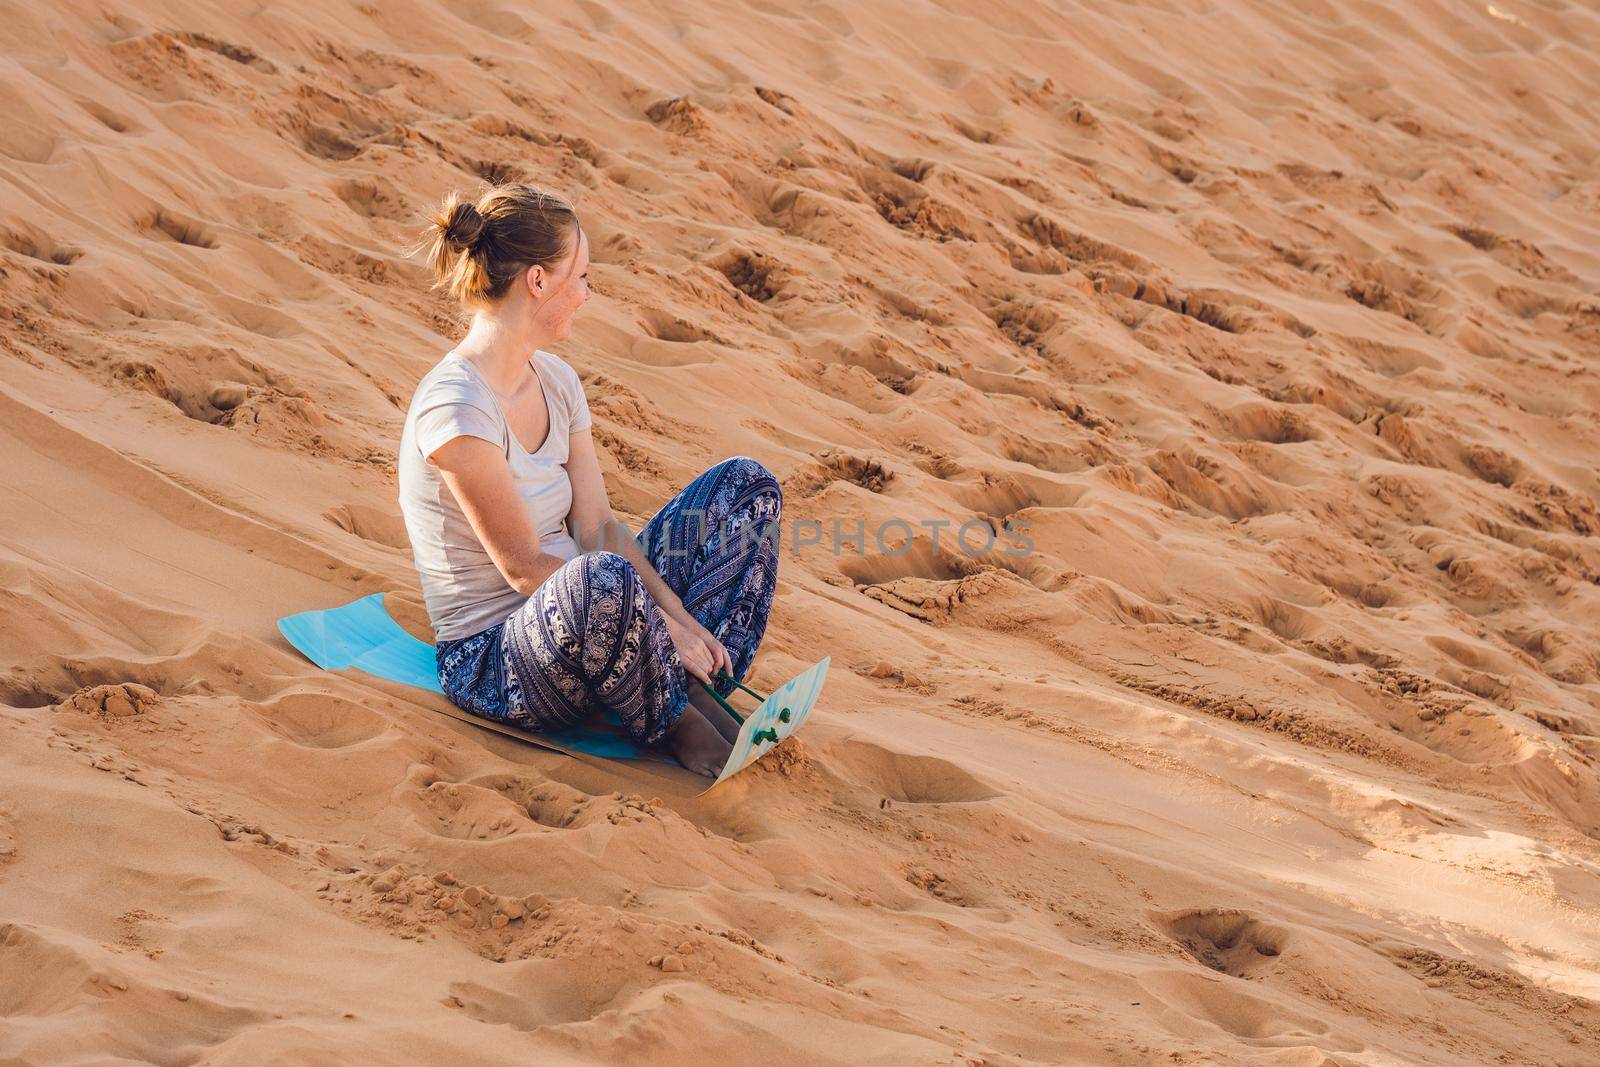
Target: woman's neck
column 500, row 347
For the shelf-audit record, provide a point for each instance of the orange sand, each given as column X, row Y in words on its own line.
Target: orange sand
column 1276, row 322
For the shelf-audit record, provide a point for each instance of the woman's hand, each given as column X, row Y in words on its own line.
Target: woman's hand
column 701, row 655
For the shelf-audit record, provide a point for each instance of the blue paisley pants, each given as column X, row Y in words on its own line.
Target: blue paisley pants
column 592, row 636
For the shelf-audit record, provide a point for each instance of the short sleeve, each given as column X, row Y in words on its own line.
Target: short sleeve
column 577, row 403
column 441, row 422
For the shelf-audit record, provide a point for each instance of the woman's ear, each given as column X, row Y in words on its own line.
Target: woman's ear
column 536, row 281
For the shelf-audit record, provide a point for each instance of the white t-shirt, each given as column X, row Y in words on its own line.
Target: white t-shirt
column 464, row 590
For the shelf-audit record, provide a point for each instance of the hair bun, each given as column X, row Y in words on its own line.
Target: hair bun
column 478, row 266
column 464, row 226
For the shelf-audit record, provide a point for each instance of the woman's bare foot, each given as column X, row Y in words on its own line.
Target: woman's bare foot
column 697, row 744
column 715, row 715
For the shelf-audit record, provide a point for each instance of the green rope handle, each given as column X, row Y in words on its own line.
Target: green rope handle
column 760, row 735
column 741, row 685
column 725, row 705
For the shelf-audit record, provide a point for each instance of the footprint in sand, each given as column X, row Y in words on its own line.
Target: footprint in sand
column 120, row 700
column 165, row 224
column 906, row 205
column 1228, row 940
column 468, row 812
column 878, row 773
column 35, row 245
column 373, row 198
column 759, row 277
column 839, row 465
column 8, row 834
column 320, row 720
column 548, row 803
column 526, row 999
column 926, row 586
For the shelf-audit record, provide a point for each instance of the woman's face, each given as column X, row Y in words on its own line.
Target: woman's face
column 563, row 291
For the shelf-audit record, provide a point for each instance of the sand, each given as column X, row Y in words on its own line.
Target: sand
column 1276, row 324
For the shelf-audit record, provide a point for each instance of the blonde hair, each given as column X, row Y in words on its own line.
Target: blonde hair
column 478, row 248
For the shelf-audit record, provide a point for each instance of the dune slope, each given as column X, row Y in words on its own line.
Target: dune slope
column 1270, row 330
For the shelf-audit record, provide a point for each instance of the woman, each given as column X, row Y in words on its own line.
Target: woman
column 544, row 605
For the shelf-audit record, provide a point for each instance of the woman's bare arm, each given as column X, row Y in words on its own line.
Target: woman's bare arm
column 596, row 527
column 476, row 473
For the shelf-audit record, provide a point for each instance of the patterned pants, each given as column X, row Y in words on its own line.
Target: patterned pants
column 592, row 635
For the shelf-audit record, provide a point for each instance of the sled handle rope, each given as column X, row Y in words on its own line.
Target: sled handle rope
column 782, row 715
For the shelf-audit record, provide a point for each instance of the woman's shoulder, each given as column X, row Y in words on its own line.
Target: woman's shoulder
column 451, row 379
column 564, row 375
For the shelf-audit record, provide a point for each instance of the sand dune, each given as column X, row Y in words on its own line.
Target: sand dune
column 1276, row 324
